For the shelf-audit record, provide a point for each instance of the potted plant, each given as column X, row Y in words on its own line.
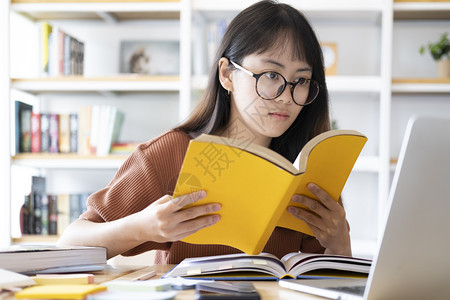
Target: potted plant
column 440, row 51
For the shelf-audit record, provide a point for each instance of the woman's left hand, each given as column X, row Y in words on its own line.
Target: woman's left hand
column 326, row 219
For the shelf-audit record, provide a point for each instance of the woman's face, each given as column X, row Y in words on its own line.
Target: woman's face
column 265, row 119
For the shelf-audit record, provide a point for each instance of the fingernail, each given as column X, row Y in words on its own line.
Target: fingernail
column 291, row 210
column 311, row 186
column 202, row 194
column 216, row 218
column 295, row 198
column 216, row 207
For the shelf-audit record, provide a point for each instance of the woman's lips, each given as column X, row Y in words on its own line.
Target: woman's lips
column 279, row 115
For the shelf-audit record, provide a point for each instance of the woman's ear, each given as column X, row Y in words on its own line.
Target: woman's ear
column 225, row 74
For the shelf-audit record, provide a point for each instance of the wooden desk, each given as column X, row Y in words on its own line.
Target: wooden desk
column 267, row 289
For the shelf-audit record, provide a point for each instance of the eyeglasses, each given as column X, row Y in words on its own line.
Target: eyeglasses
column 269, row 85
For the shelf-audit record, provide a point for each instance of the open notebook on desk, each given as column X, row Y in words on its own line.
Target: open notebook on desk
column 412, row 258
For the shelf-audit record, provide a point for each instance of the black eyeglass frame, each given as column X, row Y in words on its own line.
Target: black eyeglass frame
column 286, row 83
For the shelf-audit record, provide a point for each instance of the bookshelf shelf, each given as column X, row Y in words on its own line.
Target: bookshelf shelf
column 421, row 10
column 421, row 85
column 67, row 161
column 322, row 5
column 35, row 238
column 99, row 84
column 326, row 10
column 110, row 11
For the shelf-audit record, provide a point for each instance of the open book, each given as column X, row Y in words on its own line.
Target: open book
column 254, row 184
column 268, row 267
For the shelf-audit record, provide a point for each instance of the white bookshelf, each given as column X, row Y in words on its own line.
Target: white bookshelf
column 424, row 86
column 68, row 161
column 99, row 84
column 5, row 156
column 112, row 12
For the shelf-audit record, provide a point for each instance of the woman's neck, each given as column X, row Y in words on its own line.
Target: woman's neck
column 244, row 135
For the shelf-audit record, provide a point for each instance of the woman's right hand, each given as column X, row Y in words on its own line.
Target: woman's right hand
column 165, row 220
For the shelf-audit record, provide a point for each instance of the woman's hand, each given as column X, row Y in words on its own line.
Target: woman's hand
column 165, row 220
column 326, row 219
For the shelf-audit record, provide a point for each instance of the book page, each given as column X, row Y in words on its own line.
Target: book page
column 240, row 262
column 258, row 150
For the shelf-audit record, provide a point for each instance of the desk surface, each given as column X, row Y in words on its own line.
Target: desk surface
column 267, row 289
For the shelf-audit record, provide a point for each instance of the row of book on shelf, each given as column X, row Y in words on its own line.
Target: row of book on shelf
column 49, row 214
column 92, row 130
column 61, row 53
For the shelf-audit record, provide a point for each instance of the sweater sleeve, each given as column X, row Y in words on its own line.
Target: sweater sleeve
column 134, row 187
column 146, row 175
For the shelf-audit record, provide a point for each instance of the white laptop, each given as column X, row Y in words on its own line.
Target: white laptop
column 413, row 258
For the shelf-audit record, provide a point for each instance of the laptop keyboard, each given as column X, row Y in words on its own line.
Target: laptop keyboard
column 355, row 290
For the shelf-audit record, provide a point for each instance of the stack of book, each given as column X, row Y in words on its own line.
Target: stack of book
column 44, row 213
column 32, row 259
column 61, row 54
column 92, row 130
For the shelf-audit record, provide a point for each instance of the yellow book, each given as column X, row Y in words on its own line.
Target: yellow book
column 59, row 291
column 254, row 184
column 46, row 30
column 51, row 279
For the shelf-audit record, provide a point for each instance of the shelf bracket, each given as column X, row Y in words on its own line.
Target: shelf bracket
column 107, row 17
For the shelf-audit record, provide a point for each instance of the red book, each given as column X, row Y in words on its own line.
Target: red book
column 35, row 132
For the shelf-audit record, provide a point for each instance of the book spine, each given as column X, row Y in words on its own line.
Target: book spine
column 72, row 56
column 25, row 131
column 96, row 121
column 84, row 131
column 30, row 209
column 38, row 188
column 52, row 214
column 63, row 205
column 44, row 214
column 81, row 59
column 37, row 199
column 83, row 202
column 51, row 53
column 46, row 29
column 61, row 53
column 45, row 132
column 17, row 126
column 64, row 133
column 67, row 54
column 117, row 127
column 35, row 132
column 54, row 133
column 104, row 122
column 73, row 132
column 24, row 215
column 20, row 108
column 75, row 209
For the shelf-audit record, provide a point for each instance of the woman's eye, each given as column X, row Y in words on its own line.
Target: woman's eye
column 302, row 81
column 272, row 75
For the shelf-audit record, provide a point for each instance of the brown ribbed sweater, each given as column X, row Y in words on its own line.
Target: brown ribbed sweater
column 151, row 172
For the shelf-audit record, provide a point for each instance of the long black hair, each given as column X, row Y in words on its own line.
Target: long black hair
column 255, row 30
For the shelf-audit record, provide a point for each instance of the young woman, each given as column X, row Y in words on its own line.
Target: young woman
column 268, row 87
